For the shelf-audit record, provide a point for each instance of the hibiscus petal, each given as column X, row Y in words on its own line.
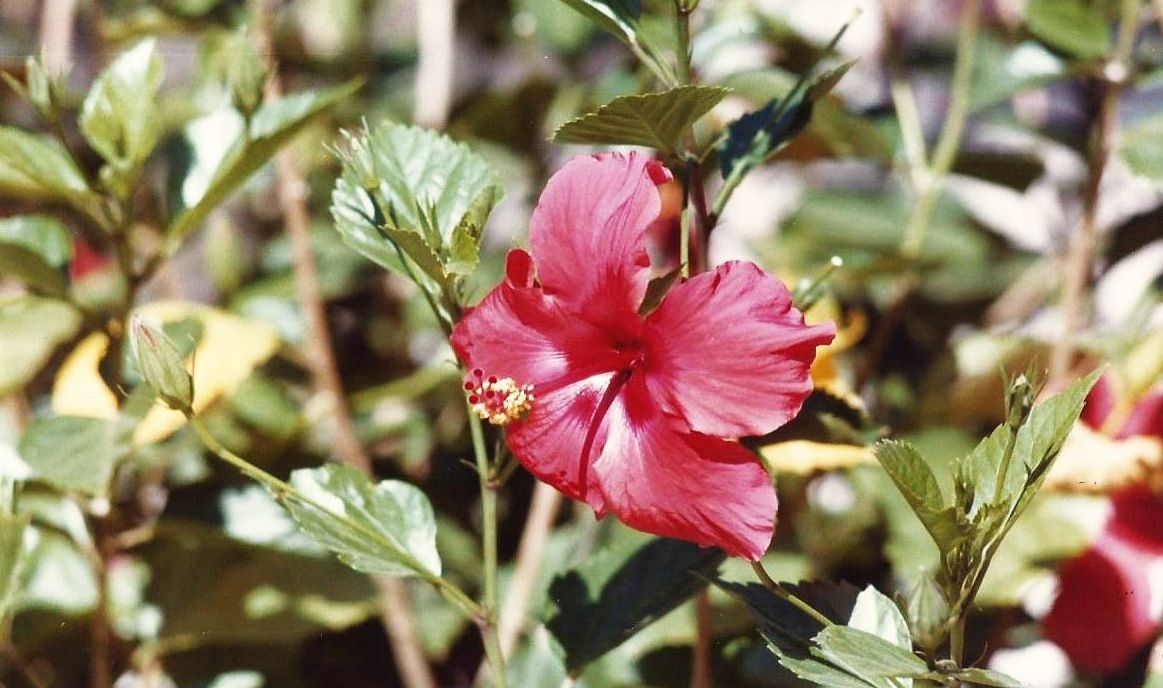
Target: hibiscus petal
column 660, row 479
column 588, row 233
column 530, row 336
column 729, row 353
column 549, row 440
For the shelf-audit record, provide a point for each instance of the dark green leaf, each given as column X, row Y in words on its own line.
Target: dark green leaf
column 386, row 528
column 619, row 17
column 120, row 116
column 273, row 125
column 866, row 655
column 622, row 589
column 74, row 454
column 656, row 120
column 43, row 235
column 1078, row 27
column 36, row 166
column 759, row 134
column 656, row 289
column 31, row 328
column 789, row 631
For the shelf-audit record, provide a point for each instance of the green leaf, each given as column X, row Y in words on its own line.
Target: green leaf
column 28, row 267
column 31, row 328
column 789, row 631
column 755, row 136
column 974, row 676
column 619, row 17
column 656, row 120
column 878, row 615
column 1077, row 27
column 1141, row 145
column 12, row 559
column 916, row 482
column 435, row 195
column 38, row 167
column 273, row 125
column 866, row 655
column 622, row 589
column 1042, row 436
column 57, row 576
column 41, row 234
column 73, row 453
column 656, row 289
column 386, row 528
column 120, row 116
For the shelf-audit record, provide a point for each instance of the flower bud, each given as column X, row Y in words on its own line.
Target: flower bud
column 161, row 365
column 357, row 156
column 1020, row 395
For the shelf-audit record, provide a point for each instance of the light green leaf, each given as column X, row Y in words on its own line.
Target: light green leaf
column 619, row 17
column 74, row 453
column 656, row 120
column 27, row 266
column 916, row 482
column 37, row 166
column 866, row 655
column 57, row 576
column 1141, row 145
column 31, row 328
column 878, row 615
column 43, row 235
column 273, row 125
column 386, row 528
column 1078, row 27
column 120, row 116
column 435, row 195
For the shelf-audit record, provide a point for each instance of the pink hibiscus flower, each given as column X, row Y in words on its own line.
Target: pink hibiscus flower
column 1108, row 603
column 631, row 413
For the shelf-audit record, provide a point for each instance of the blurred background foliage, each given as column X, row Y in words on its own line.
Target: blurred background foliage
column 183, row 573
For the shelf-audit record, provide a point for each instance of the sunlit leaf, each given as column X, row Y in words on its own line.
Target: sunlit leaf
column 868, row 656
column 272, row 126
column 74, row 454
column 120, row 116
column 43, row 235
column 656, row 120
column 38, row 167
column 619, row 17
column 12, row 558
column 31, row 328
column 385, row 528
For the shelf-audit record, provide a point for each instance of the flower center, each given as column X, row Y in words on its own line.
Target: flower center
column 500, row 401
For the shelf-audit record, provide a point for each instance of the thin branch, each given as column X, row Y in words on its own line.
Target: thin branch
column 1083, row 245
column 396, row 614
column 701, row 664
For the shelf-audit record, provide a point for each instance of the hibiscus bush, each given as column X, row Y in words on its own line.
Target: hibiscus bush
column 599, row 343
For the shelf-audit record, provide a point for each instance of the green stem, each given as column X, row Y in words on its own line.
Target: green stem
column 284, row 490
column 957, row 640
column 1004, row 470
column 949, row 141
column 487, row 620
column 787, row 595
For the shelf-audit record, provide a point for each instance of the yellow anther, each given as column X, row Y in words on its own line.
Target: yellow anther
column 500, row 401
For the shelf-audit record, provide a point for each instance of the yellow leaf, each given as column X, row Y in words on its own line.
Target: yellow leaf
column 229, row 350
column 1093, row 462
column 803, row 457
